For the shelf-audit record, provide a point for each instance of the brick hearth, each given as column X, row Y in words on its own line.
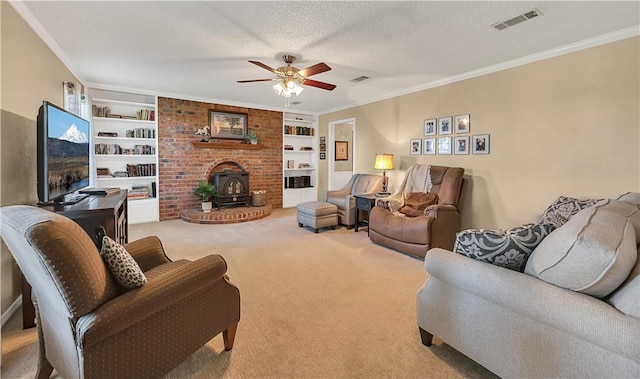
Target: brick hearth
column 226, row 215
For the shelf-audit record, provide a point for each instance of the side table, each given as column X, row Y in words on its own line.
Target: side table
column 363, row 203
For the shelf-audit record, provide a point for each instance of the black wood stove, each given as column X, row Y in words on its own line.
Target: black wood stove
column 232, row 188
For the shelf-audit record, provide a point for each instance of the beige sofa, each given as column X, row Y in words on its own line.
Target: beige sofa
column 584, row 325
column 344, row 198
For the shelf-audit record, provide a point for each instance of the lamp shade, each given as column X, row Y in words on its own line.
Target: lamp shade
column 384, row 162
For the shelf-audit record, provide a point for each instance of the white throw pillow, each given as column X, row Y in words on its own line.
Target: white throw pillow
column 592, row 253
column 631, row 197
column 121, row 264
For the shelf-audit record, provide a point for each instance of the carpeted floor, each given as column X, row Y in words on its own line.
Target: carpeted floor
column 326, row 305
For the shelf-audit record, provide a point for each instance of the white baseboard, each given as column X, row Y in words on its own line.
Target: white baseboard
column 12, row 309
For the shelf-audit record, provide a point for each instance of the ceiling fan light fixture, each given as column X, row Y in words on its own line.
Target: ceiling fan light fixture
column 297, row 90
column 287, row 88
column 278, row 88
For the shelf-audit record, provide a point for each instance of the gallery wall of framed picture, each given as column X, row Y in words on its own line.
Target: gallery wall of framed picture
column 441, row 137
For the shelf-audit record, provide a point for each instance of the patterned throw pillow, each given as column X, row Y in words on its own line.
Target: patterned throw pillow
column 563, row 208
column 416, row 202
column 121, row 264
column 509, row 249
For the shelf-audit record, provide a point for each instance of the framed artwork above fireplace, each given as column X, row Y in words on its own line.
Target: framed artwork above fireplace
column 228, row 125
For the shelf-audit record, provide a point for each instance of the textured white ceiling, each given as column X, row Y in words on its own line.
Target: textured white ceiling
column 198, row 50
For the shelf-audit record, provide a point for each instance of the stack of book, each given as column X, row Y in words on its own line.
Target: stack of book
column 138, row 192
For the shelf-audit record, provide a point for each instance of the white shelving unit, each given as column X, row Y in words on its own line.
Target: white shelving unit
column 300, row 134
column 137, row 142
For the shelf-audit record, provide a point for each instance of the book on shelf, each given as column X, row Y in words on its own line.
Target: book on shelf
column 107, row 134
column 298, row 130
column 103, row 191
column 139, row 192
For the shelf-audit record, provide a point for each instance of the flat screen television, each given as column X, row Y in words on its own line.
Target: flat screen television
column 63, row 155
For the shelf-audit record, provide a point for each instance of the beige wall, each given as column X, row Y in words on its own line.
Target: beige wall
column 30, row 73
column 569, row 125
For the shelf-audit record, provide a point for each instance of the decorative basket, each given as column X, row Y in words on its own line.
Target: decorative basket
column 258, row 199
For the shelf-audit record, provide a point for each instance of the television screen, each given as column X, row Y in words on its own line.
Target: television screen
column 63, row 153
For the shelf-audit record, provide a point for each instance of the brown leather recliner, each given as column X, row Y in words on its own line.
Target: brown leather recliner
column 89, row 327
column 436, row 228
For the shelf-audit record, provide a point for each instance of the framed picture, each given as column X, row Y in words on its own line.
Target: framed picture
column 430, row 127
column 228, row 125
column 444, row 145
column 323, row 156
column 480, row 144
column 414, row 146
column 323, row 139
column 342, row 150
column 429, row 145
column 461, row 145
column 444, row 125
column 462, row 123
column 323, row 147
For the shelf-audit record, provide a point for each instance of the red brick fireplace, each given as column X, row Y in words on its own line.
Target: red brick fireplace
column 182, row 164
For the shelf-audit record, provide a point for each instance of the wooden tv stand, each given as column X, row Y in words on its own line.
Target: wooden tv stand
column 90, row 213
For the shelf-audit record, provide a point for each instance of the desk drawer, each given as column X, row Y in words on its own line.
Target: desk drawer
column 364, row 204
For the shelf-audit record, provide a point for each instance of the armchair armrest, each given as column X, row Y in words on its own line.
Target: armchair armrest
column 147, row 252
column 581, row 315
column 432, row 210
column 141, row 303
column 340, row 194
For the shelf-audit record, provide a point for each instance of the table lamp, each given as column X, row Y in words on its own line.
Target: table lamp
column 384, row 162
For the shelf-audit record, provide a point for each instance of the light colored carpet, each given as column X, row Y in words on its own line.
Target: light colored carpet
column 326, row 305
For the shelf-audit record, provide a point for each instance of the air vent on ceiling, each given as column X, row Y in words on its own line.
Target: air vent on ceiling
column 516, row 20
column 360, row 78
column 295, row 102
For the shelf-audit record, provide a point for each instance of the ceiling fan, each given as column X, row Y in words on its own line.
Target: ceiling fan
column 290, row 77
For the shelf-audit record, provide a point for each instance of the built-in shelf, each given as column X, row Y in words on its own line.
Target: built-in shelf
column 132, row 139
column 226, row 145
column 129, row 106
column 129, row 120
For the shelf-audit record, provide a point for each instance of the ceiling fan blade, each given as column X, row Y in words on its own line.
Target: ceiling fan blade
column 315, row 83
column 315, row 69
column 255, row 80
column 264, row 66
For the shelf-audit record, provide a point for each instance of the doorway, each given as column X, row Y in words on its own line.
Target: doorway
column 341, row 152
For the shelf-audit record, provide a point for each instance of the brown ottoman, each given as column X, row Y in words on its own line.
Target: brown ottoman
column 317, row 214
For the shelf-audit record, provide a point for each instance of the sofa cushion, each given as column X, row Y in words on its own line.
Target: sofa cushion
column 121, row 264
column 509, row 249
column 563, row 208
column 592, row 253
column 416, row 202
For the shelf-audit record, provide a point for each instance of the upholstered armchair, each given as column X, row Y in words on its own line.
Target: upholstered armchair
column 91, row 327
column 436, row 225
column 359, row 184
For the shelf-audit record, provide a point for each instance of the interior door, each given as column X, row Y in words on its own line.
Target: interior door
column 341, row 152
